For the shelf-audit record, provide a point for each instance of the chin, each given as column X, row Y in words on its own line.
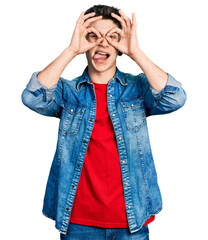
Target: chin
column 102, row 67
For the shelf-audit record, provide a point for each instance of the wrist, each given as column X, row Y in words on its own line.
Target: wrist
column 71, row 51
column 137, row 52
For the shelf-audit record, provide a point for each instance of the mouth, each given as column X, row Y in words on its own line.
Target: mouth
column 101, row 57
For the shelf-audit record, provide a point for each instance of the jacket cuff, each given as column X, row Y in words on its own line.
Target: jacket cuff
column 172, row 86
column 34, row 85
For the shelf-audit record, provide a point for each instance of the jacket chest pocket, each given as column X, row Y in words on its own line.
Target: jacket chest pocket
column 71, row 118
column 134, row 113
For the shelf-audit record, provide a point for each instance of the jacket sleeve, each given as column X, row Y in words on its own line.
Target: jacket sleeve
column 169, row 99
column 41, row 99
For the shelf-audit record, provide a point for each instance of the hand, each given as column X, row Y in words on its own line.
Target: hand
column 79, row 43
column 128, row 43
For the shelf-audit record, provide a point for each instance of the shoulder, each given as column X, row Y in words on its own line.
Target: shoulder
column 70, row 83
column 131, row 78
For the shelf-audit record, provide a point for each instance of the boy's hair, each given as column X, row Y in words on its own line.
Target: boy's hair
column 105, row 11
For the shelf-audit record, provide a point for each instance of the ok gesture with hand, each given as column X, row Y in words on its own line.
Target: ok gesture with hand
column 128, row 43
column 79, row 44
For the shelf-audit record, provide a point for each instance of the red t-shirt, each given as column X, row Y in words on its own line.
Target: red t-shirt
column 99, row 200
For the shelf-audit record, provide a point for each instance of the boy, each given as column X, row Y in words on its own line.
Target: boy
column 103, row 183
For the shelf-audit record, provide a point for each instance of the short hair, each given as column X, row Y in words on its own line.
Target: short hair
column 105, row 11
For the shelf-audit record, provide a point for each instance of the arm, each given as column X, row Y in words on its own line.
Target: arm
column 162, row 93
column 43, row 93
column 155, row 75
column 50, row 75
column 79, row 44
column 169, row 99
column 129, row 45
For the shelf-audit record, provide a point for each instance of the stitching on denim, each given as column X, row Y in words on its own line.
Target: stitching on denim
column 135, row 128
column 139, row 97
column 76, row 104
column 141, row 158
column 67, row 121
column 123, row 150
column 58, row 161
column 114, row 235
column 74, row 112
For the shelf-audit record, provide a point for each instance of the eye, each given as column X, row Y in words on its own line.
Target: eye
column 92, row 35
column 114, row 36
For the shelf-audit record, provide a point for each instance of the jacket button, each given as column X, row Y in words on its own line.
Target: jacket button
column 78, row 165
column 67, row 209
column 110, row 95
column 129, row 206
column 113, row 115
column 84, row 141
column 123, row 161
column 90, row 120
column 119, row 138
column 72, row 186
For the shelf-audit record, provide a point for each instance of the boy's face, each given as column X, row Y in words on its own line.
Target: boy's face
column 98, row 62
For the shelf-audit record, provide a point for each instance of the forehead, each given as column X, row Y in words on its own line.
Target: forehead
column 103, row 25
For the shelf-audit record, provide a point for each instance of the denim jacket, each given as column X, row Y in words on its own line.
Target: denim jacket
column 130, row 100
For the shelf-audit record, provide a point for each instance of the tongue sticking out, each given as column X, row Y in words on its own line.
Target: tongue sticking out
column 98, row 56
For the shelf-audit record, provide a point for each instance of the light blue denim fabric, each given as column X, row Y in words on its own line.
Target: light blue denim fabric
column 130, row 100
column 83, row 232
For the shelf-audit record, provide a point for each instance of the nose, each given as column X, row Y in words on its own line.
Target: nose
column 104, row 42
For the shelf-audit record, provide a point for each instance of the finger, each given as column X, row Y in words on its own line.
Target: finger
column 88, row 15
column 92, row 29
column 80, row 17
column 127, row 19
column 95, row 43
column 134, row 24
column 83, row 17
column 111, row 42
column 90, row 20
column 122, row 22
column 114, row 30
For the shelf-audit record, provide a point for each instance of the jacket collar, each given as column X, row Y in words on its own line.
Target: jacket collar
column 85, row 78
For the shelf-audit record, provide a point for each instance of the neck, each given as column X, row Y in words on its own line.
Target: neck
column 101, row 77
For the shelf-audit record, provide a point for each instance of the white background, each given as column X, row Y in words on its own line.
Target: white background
column 173, row 34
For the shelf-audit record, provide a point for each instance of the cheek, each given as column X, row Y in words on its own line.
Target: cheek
column 87, row 54
column 114, row 52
